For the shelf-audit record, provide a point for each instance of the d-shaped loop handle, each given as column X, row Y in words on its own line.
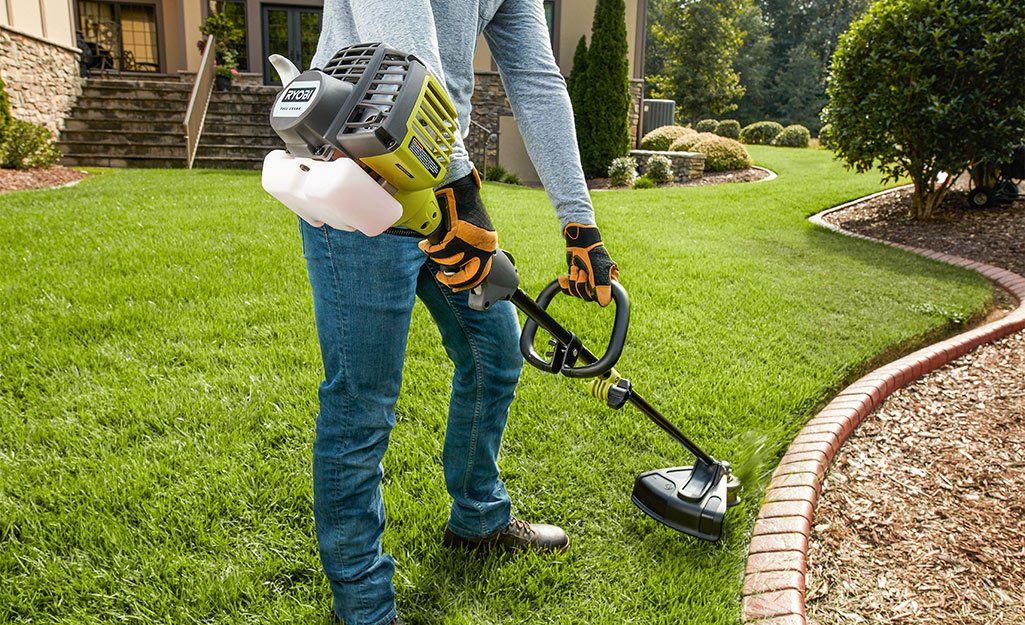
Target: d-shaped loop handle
column 600, row 366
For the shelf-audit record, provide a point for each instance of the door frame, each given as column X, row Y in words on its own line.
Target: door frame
column 293, row 11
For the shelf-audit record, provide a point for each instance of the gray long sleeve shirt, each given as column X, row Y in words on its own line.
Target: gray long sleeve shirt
column 443, row 34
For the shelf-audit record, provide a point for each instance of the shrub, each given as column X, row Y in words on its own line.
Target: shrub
column 512, row 178
column 687, row 142
column 606, row 90
column 576, row 86
column 920, row 87
column 662, row 137
column 27, row 145
column 644, row 183
column 826, row 136
column 760, row 133
column 622, row 172
column 793, row 136
column 495, row 172
column 5, row 108
column 658, row 169
column 706, row 125
column 722, row 153
column 729, row 128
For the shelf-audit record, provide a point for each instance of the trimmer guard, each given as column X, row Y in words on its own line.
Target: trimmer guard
column 689, row 501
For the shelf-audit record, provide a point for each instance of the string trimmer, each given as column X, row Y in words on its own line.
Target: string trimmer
column 367, row 138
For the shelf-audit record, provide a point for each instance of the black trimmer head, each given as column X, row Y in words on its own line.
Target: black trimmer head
column 692, row 500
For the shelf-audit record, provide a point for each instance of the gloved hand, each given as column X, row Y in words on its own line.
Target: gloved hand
column 466, row 251
column 591, row 269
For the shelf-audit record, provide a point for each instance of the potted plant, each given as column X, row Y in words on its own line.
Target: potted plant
column 225, row 70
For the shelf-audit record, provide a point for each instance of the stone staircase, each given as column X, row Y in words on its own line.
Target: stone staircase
column 127, row 122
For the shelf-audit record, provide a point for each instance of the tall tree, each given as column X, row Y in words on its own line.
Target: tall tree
column 606, row 99
column 576, row 88
column 701, row 39
column 752, row 65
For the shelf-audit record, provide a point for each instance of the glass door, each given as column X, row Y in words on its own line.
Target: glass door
column 292, row 32
column 118, row 35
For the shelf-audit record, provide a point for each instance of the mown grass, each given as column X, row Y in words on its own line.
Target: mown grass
column 158, row 373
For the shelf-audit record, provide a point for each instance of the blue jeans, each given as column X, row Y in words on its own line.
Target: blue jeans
column 363, row 294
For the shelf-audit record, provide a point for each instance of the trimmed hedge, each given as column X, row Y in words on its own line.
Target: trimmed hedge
column 26, row 145
column 706, row 125
column 659, row 169
column 729, row 128
column 760, row 133
column 722, row 153
column 659, row 139
column 826, row 136
column 622, row 172
column 793, row 136
column 687, row 143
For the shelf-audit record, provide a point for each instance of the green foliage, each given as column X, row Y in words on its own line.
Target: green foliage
column 622, row 171
column 644, row 183
column 495, row 172
column 798, row 92
column 729, row 128
column 5, row 108
column 698, row 42
column 659, row 169
column 159, row 388
column 793, row 136
column 723, row 154
column 752, row 64
column 686, row 143
column 760, row 133
column 826, row 136
column 920, row 87
column 706, row 125
column 512, row 178
column 577, row 90
column 25, row 145
column 606, row 97
column 662, row 137
column 225, row 30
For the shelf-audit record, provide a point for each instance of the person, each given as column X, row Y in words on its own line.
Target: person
column 364, row 289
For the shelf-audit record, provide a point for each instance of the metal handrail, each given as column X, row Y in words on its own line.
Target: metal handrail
column 199, row 100
column 491, row 135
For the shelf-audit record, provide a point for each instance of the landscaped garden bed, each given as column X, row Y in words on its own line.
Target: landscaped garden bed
column 158, row 393
column 38, row 178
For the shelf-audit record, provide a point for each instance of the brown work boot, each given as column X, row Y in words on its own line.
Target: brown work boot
column 518, row 535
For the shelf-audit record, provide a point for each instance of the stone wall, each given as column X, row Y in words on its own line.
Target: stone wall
column 41, row 77
column 636, row 99
column 685, row 164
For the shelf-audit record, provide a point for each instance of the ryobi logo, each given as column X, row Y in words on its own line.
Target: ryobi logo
column 296, row 98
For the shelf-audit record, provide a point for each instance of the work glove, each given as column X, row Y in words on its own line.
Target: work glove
column 591, row 270
column 466, row 251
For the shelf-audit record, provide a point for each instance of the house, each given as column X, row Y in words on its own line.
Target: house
column 42, row 44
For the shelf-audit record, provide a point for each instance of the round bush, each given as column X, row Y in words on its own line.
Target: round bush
column 728, row 128
column 662, row 137
column 826, row 136
column 659, row 169
column 685, row 144
column 27, row 145
column 706, row 125
column 644, row 183
column 622, row 172
column 760, row 133
column 722, row 154
column 793, row 136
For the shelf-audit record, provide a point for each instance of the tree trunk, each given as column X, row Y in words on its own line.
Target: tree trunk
column 926, row 199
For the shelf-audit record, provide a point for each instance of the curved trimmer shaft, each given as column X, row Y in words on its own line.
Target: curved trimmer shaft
column 692, row 499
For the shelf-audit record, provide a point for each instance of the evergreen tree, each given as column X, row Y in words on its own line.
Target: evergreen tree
column 576, row 89
column 752, row 65
column 5, row 108
column 605, row 90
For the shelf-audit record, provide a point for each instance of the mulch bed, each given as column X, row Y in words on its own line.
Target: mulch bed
column 40, row 178
column 720, row 177
column 922, row 515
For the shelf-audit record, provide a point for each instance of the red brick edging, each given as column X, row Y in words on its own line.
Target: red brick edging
column 774, row 582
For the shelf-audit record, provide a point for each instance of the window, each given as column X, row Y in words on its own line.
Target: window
column 550, row 18
column 119, row 35
column 236, row 12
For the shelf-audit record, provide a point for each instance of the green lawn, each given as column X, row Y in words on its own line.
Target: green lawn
column 158, row 373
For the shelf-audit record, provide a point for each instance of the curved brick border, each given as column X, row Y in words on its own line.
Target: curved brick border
column 777, row 560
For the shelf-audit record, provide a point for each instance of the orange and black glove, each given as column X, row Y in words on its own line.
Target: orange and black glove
column 591, row 270
column 466, row 251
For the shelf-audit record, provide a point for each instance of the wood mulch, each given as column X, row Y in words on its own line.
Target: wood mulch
column 720, row 177
column 922, row 515
column 39, row 178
